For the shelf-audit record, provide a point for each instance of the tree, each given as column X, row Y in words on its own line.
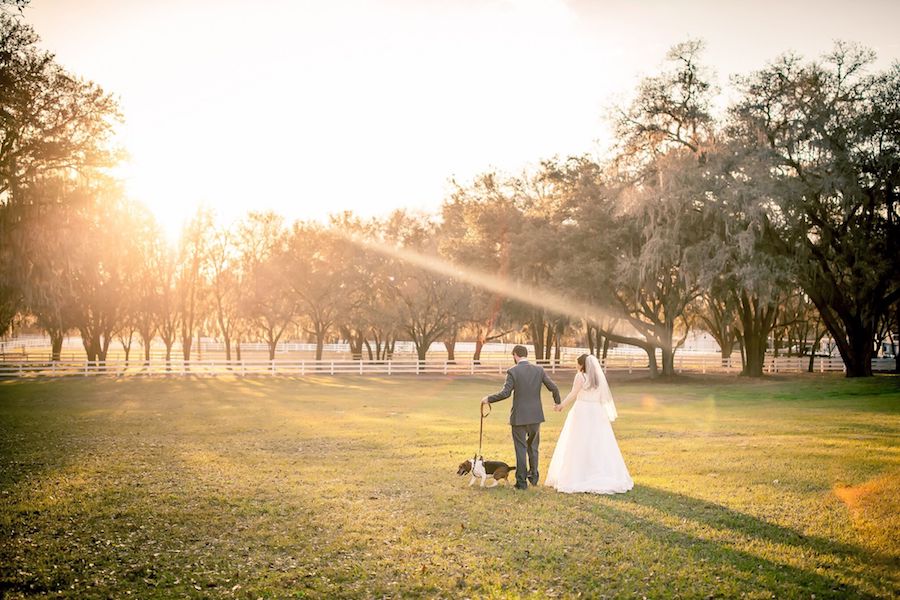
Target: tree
column 267, row 302
column 189, row 280
column 478, row 225
column 45, row 238
column 316, row 277
column 663, row 237
column 167, row 313
column 828, row 132
column 225, row 279
column 426, row 300
column 52, row 124
column 139, row 289
column 717, row 314
column 149, row 282
column 588, row 232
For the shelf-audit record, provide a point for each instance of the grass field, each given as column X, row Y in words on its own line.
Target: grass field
column 328, row 487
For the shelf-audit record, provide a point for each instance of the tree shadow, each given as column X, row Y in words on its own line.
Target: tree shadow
column 720, row 517
column 781, row 579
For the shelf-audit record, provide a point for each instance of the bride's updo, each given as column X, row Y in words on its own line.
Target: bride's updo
column 589, row 368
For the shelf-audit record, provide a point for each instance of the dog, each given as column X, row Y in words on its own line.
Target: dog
column 481, row 469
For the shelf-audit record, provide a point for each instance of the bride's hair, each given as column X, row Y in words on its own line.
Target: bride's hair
column 589, row 368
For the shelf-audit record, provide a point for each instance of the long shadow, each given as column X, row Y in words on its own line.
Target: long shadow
column 784, row 581
column 721, row 517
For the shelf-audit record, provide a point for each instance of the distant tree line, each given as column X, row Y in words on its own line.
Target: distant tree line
column 775, row 218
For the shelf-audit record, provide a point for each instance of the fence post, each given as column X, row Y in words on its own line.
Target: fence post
column 302, row 368
column 630, row 360
column 332, row 367
column 273, row 366
column 445, row 367
column 389, row 367
column 360, row 366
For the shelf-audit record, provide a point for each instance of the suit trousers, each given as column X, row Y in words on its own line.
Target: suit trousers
column 526, row 439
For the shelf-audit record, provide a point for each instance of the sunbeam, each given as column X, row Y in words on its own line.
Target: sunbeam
column 491, row 282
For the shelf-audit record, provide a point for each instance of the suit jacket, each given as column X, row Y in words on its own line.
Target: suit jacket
column 524, row 382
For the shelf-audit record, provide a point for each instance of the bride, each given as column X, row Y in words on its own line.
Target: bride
column 587, row 457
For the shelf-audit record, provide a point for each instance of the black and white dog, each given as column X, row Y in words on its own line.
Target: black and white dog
column 480, row 468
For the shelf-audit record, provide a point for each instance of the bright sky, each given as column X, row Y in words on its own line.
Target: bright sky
column 311, row 107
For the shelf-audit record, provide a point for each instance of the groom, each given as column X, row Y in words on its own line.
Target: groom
column 524, row 382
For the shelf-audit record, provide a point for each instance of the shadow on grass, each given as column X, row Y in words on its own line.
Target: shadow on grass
column 720, row 517
column 760, row 573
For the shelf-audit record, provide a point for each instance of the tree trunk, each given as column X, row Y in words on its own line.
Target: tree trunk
column 651, row 356
column 186, row 342
column 451, row 350
column 668, row 361
column 537, row 336
column 605, row 346
column 320, row 343
column 755, row 348
column 757, row 319
column 479, row 344
column 56, row 342
column 727, row 347
column 355, row 338
column 421, row 350
column 895, row 344
column 549, row 340
column 126, row 346
column 859, row 360
column 104, row 347
column 227, row 347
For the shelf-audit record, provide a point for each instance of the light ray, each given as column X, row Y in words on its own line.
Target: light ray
column 491, row 282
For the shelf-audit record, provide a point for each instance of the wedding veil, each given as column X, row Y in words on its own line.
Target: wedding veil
column 596, row 379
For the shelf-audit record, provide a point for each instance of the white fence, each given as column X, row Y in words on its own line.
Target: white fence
column 685, row 363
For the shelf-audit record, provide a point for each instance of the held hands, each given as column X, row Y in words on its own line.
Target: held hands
column 485, row 400
column 557, row 407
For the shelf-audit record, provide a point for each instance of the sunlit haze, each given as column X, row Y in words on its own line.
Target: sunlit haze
column 308, row 108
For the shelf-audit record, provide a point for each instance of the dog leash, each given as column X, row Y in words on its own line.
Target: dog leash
column 481, row 428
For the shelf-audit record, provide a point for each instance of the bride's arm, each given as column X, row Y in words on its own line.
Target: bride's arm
column 576, row 387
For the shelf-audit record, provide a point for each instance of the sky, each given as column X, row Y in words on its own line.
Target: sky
column 314, row 107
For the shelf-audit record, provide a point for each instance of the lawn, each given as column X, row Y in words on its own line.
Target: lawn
column 347, row 487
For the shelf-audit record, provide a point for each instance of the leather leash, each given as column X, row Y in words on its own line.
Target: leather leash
column 481, row 428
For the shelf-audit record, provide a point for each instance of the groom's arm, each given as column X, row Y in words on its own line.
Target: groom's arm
column 554, row 389
column 506, row 392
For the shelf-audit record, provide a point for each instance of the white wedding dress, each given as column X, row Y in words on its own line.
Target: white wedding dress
column 587, row 457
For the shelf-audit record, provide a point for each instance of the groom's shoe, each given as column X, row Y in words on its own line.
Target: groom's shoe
column 533, row 479
column 521, row 486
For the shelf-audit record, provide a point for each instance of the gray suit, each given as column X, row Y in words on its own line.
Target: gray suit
column 524, row 382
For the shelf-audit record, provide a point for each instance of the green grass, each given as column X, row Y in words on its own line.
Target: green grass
column 347, row 487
